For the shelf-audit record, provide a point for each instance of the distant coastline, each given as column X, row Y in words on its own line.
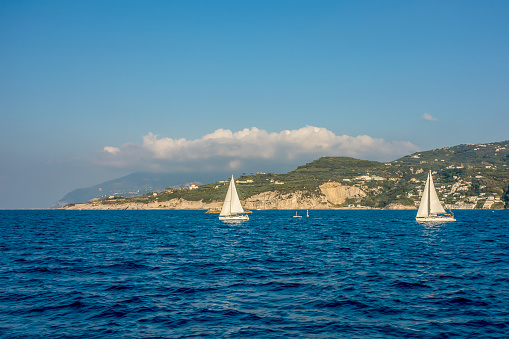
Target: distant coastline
column 180, row 204
column 472, row 176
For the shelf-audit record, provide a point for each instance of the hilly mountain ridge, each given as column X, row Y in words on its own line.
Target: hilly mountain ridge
column 131, row 185
column 466, row 176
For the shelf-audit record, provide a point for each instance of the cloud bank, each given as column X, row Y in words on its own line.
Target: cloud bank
column 250, row 149
column 428, row 117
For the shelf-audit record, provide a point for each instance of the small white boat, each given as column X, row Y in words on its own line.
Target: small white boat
column 430, row 208
column 232, row 209
column 296, row 215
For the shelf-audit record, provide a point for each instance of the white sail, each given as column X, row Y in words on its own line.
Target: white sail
column 430, row 205
column 423, row 211
column 435, row 207
column 231, row 205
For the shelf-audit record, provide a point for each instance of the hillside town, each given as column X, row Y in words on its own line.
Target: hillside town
column 465, row 177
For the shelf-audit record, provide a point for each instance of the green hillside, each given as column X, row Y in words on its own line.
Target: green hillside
column 465, row 176
column 494, row 154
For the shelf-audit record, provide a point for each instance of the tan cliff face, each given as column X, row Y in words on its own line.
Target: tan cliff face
column 332, row 194
column 174, row 204
column 337, row 194
column 290, row 201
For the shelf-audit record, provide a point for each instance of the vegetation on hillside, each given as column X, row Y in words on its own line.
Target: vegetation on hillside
column 464, row 175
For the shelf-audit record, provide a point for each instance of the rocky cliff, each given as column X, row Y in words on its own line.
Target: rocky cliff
column 336, row 194
column 331, row 195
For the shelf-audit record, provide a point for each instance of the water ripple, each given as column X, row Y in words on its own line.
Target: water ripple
column 184, row 274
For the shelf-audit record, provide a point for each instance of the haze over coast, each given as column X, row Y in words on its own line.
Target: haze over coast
column 473, row 176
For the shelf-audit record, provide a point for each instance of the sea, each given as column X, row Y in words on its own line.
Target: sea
column 185, row 274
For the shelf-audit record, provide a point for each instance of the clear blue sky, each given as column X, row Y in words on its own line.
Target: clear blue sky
column 78, row 76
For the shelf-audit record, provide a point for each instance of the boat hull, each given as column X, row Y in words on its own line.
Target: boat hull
column 435, row 219
column 240, row 217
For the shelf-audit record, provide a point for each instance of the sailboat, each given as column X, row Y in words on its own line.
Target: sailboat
column 296, row 215
column 430, row 208
column 232, row 209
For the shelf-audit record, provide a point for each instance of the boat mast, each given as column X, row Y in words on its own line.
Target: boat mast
column 231, row 195
column 429, row 193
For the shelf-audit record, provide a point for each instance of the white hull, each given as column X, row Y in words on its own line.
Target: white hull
column 435, row 219
column 240, row 217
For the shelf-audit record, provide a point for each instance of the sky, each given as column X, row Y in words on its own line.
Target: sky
column 94, row 90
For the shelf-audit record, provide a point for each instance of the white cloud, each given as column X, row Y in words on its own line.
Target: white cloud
column 428, row 117
column 111, row 150
column 241, row 150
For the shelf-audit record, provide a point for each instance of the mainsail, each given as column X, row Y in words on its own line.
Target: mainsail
column 231, row 205
column 430, row 205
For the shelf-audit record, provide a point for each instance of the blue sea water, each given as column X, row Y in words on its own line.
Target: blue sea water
column 184, row 274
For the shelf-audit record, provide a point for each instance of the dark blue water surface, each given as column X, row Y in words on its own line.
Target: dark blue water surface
column 184, row 274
